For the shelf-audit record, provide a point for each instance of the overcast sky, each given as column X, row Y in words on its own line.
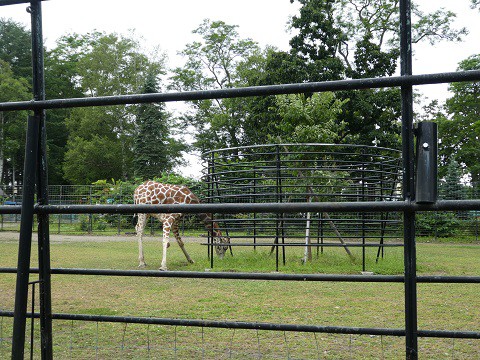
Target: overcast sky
column 168, row 24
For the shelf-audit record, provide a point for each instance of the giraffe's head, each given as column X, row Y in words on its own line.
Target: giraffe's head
column 221, row 245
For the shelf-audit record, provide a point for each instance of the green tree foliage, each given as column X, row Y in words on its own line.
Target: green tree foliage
column 337, row 39
column 100, row 64
column 308, row 119
column 459, row 129
column 94, row 158
column 12, row 125
column 61, row 81
column 15, row 48
column 360, row 38
column 211, row 63
column 451, row 186
column 15, row 82
column 156, row 151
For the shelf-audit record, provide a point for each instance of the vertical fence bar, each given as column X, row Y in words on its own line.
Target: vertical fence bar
column 42, row 184
column 280, row 192
column 60, row 215
column 254, row 200
column 211, row 177
column 32, row 320
column 90, row 216
column 411, row 337
column 25, row 240
column 279, row 199
column 363, row 162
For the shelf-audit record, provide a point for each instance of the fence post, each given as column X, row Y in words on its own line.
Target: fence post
column 254, row 200
column 280, row 217
column 410, row 263
column 90, row 215
column 42, row 185
column 362, row 157
column 211, row 177
column 60, row 215
column 25, row 240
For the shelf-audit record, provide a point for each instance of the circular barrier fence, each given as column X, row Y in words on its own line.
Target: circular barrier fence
column 287, row 173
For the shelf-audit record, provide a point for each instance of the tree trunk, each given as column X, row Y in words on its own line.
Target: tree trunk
column 308, row 247
column 335, row 230
column 2, row 142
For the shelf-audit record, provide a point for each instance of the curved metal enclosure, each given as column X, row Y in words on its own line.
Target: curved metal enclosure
column 288, row 173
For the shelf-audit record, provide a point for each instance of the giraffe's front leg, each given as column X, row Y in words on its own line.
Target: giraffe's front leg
column 139, row 230
column 180, row 242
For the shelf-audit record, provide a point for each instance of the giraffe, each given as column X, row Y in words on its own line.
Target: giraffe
column 151, row 192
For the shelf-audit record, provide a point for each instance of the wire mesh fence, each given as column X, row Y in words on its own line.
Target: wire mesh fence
column 86, row 223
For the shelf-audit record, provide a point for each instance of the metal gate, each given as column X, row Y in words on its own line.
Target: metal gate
column 36, row 182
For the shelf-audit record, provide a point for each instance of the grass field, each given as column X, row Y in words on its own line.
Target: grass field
column 440, row 307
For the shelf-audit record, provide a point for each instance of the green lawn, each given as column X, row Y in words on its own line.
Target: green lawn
column 448, row 306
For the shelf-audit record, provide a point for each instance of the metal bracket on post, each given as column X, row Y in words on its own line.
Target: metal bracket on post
column 426, row 188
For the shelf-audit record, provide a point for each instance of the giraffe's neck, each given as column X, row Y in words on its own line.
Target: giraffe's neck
column 210, row 225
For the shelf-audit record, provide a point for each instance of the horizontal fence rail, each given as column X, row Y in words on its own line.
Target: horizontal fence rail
column 431, row 279
column 258, row 277
column 257, row 326
column 371, row 206
column 467, row 223
column 354, row 84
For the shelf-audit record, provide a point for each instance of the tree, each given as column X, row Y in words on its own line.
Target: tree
column 362, row 37
column 15, row 82
column 12, row 125
column 308, row 119
column 212, row 63
column 104, row 64
column 338, row 39
column 15, row 48
column 451, row 187
column 156, row 152
column 88, row 160
column 459, row 129
column 61, row 81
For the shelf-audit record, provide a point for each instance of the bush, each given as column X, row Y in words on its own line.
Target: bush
column 439, row 224
column 89, row 223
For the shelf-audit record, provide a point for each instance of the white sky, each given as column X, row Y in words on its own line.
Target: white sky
column 168, row 24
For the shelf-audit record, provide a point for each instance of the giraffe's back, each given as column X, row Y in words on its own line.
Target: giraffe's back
column 151, row 192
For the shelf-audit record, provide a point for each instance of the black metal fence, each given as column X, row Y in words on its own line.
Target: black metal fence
column 35, row 200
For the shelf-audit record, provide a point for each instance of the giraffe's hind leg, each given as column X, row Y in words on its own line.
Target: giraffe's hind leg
column 142, row 218
column 180, row 241
column 167, row 221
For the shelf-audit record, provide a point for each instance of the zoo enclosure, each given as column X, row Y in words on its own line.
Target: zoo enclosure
column 290, row 173
column 35, row 181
